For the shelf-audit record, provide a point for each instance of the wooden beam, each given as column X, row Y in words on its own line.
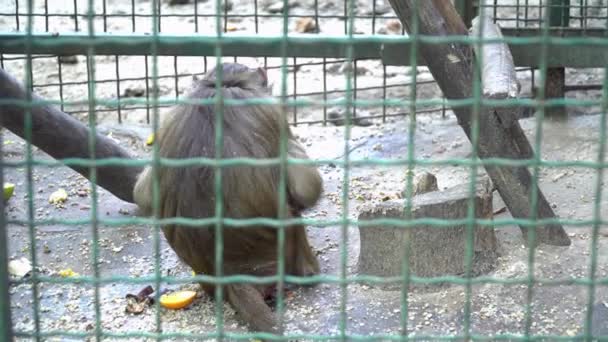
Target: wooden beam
column 452, row 67
column 498, row 75
column 555, row 82
column 499, row 80
column 62, row 136
column 390, row 49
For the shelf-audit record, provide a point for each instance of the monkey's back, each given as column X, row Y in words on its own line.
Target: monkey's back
column 247, row 191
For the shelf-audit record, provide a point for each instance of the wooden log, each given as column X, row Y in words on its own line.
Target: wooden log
column 498, row 76
column 555, row 83
column 555, row 88
column 451, row 66
column 62, row 136
column 499, row 79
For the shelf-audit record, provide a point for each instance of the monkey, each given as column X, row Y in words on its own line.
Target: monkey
column 248, row 191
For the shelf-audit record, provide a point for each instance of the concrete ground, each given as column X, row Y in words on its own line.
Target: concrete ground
column 495, row 308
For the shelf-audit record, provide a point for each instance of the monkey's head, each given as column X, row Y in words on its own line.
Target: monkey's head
column 235, row 75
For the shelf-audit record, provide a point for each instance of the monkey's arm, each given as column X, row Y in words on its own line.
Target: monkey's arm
column 142, row 192
column 304, row 181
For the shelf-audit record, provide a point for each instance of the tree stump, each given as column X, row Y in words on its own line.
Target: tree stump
column 434, row 251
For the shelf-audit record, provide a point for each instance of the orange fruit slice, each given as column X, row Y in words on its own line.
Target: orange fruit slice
column 177, row 300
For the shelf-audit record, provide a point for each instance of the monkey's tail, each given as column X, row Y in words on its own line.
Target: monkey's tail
column 249, row 304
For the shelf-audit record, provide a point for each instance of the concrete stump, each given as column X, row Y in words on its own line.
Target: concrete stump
column 434, row 251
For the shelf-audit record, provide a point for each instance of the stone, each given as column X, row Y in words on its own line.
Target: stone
column 599, row 320
column 275, row 7
column 423, row 183
column 69, row 59
column 434, row 251
column 226, row 6
column 337, row 117
column 393, row 26
column 306, row 25
column 134, row 92
column 178, row 2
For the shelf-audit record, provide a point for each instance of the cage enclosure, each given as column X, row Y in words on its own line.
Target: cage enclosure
column 461, row 144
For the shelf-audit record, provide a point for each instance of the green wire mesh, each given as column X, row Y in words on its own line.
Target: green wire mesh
column 358, row 39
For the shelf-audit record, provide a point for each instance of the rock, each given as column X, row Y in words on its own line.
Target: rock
column 20, row 268
column 393, row 26
column 179, row 2
column 382, row 30
column 423, row 183
column 306, row 25
column 277, row 6
column 599, row 320
column 434, row 251
column 381, row 8
column 71, row 59
column 227, row 5
column 348, row 67
column 363, row 122
column 134, row 92
column 337, row 117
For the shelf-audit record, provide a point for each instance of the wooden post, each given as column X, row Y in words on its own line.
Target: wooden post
column 451, row 66
column 466, row 10
column 62, row 136
column 555, row 83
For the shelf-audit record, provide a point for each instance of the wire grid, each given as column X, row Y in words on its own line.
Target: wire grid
column 583, row 14
column 348, row 102
column 49, row 16
column 126, row 77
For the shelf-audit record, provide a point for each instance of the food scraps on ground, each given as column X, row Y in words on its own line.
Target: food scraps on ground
column 58, row 197
column 150, row 140
column 136, row 304
column 177, row 300
column 67, row 273
column 9, row 189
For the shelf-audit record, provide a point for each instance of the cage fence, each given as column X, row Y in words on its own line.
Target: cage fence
column 126, row 74
column 370, row 113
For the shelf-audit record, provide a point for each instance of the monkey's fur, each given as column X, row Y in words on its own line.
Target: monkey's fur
column 248, row 191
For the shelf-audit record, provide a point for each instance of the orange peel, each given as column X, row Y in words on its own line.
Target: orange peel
column 177, row 300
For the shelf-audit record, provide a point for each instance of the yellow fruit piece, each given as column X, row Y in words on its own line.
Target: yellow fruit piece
column 58, row 196
column 177, row 300
column 150, row 140
column 9, row 188
column 68, row 273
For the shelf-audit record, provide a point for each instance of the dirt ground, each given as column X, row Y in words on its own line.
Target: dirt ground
column 128, row 250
